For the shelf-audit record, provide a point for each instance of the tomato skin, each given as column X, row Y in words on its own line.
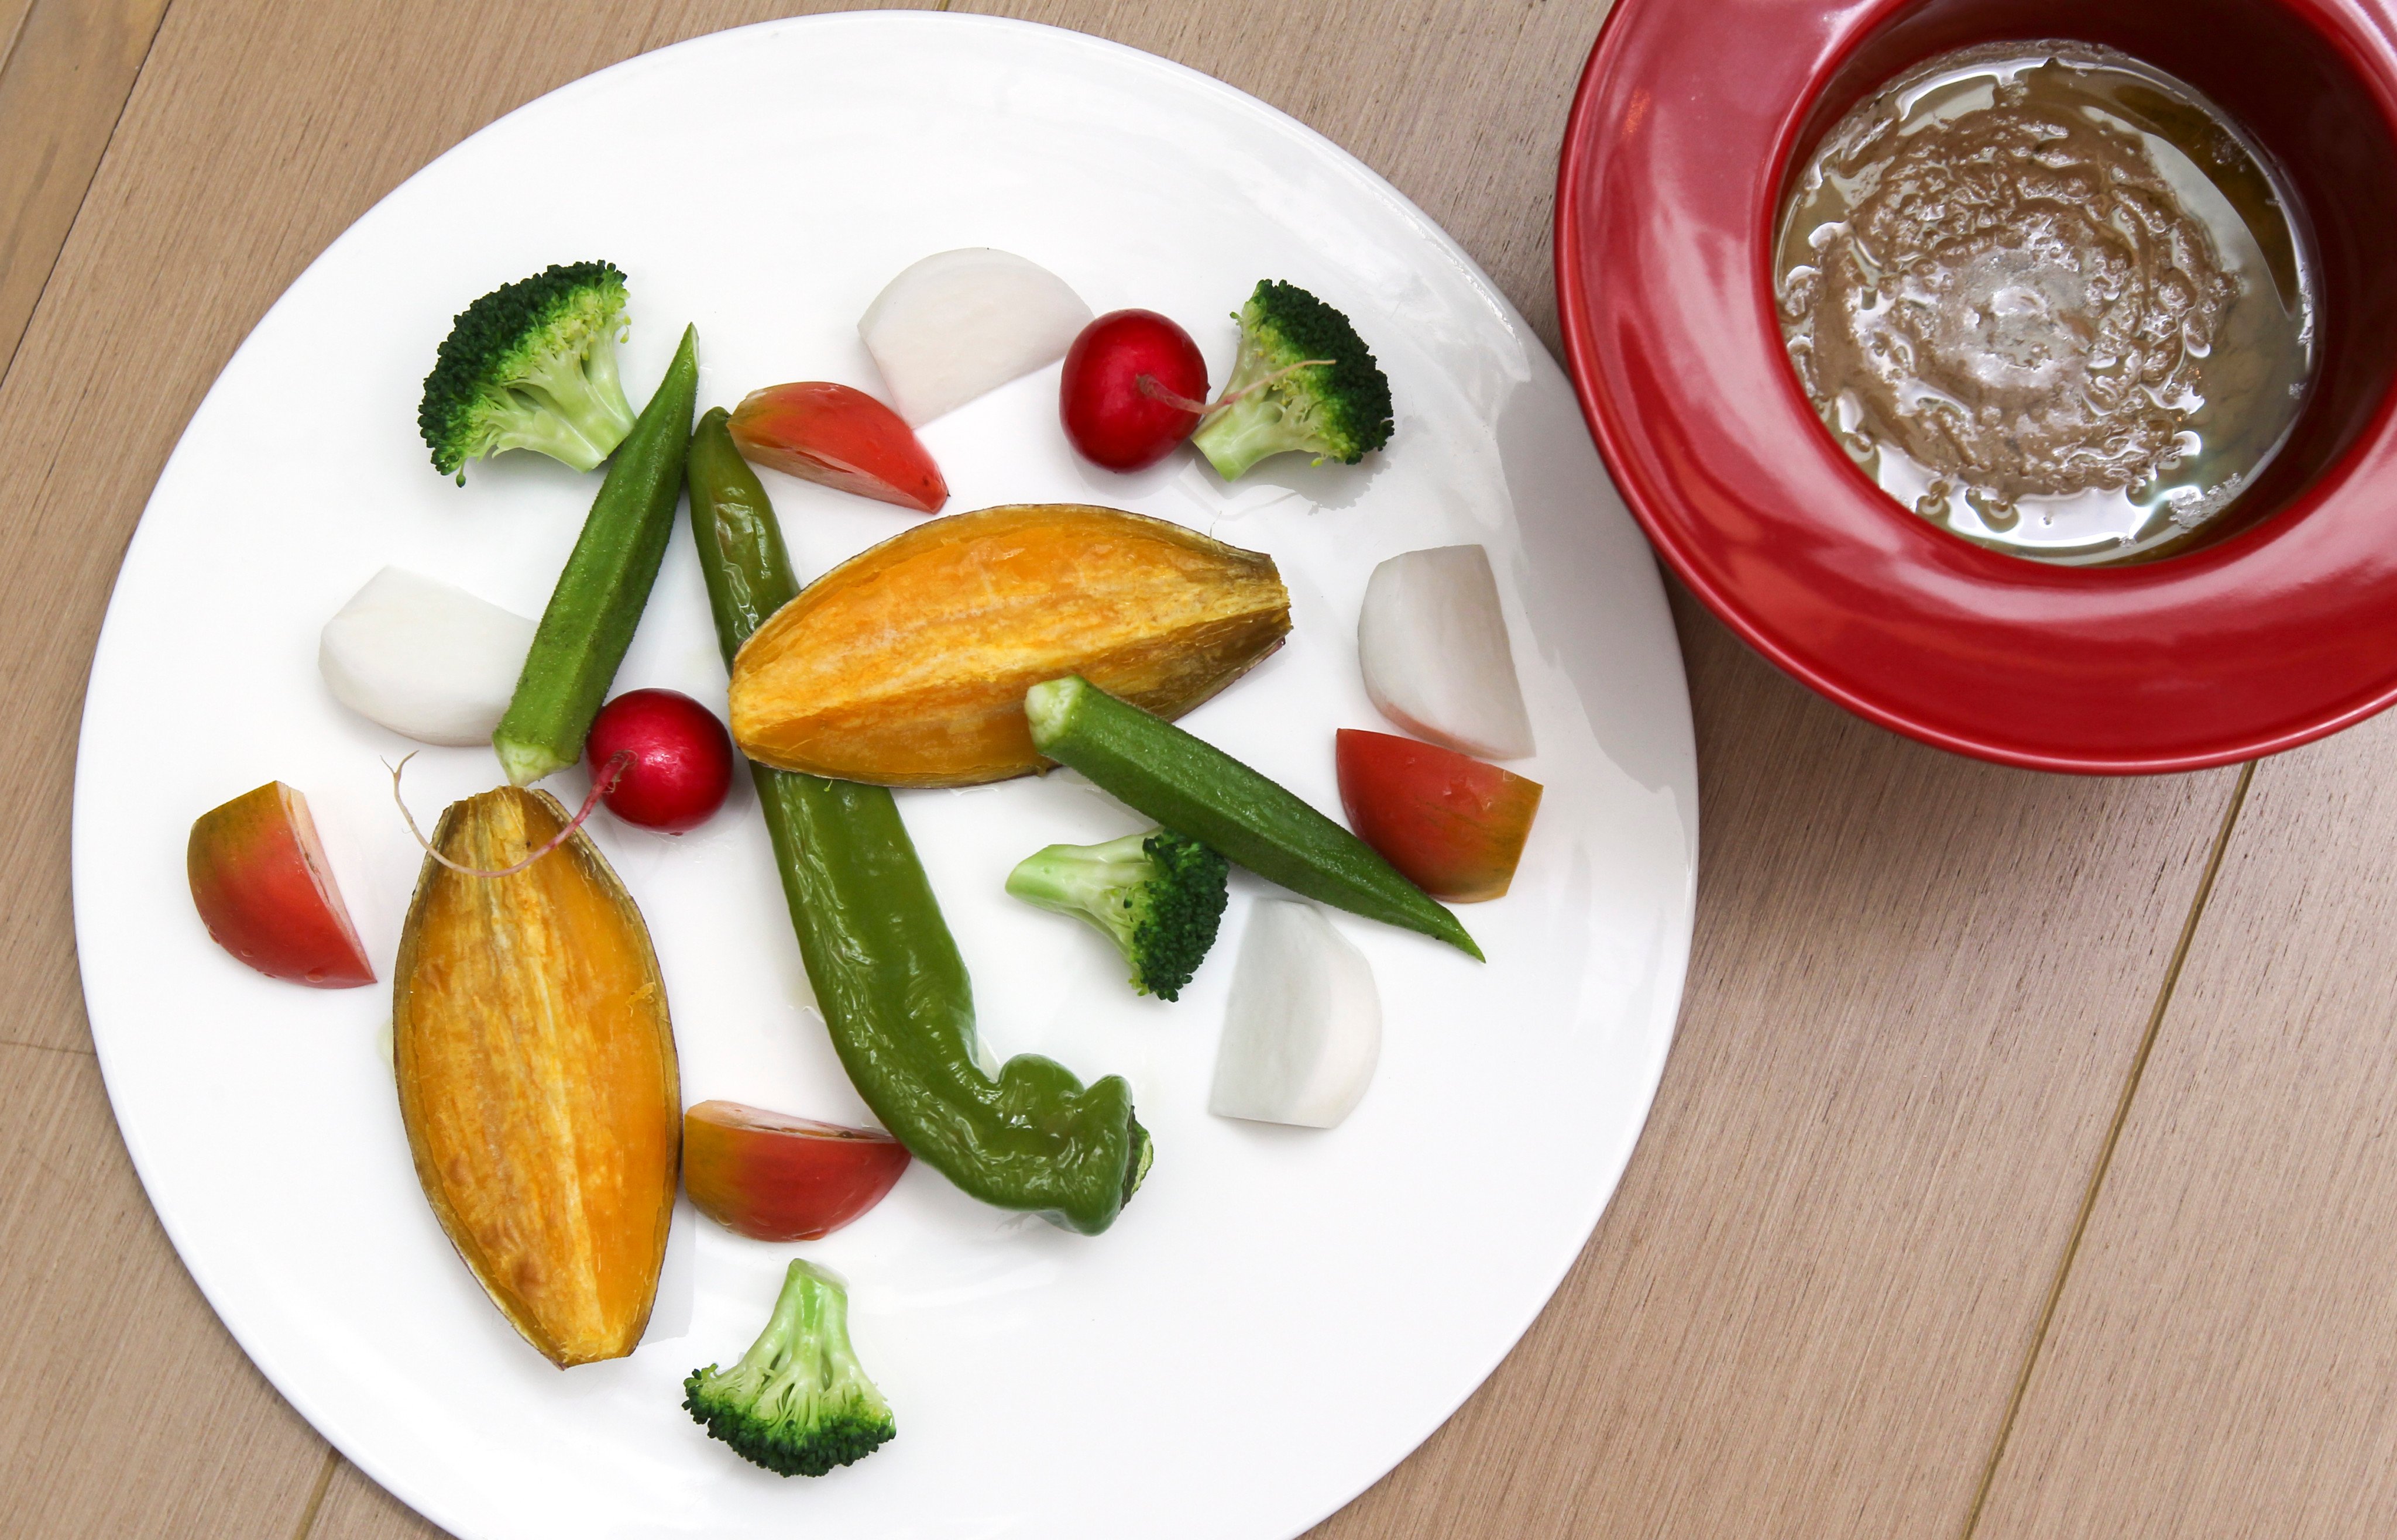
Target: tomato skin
column 1106, row 415
column 681, row 759
column 1451, row 824
column 772, row 1178
column 839, row 437
column 264, row 891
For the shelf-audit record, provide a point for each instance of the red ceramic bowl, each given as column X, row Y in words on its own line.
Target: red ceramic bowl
column 2283, row 628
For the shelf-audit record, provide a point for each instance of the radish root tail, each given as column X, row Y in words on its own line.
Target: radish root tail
column 601, row 784
column 1155, row 389
column 1232, row 397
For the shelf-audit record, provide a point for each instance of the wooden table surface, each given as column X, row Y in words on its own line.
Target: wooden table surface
column 2019, row 1169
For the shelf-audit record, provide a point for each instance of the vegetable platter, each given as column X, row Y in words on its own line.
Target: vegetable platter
column 1279, row 1313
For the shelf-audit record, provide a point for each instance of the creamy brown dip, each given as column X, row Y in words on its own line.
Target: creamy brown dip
column 2036, row 316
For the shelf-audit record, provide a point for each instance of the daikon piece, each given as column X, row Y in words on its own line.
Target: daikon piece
column 1304, row 1029
column 428, row 660
column 1433, row 643
column 960, row 323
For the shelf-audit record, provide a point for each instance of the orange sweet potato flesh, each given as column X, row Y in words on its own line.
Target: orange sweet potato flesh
column 536, row 1077
column 906, row 665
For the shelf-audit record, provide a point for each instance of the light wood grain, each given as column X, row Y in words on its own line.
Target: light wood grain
column 358, row 1510
column 2224, row 1360
column 1460, row 103
column 12, row 19
column 125, row 1409
column 1917, row 983
column 61, row 90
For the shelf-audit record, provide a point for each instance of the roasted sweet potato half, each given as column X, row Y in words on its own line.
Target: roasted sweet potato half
column 537, row 1076
column 906, row 665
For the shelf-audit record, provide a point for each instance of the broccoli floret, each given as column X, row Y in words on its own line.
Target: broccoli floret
column 797, row 1402
column 1304, row 380
column 1159, row 896
column 531, row 365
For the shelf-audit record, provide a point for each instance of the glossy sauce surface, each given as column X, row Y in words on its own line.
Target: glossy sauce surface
column 2049, row 298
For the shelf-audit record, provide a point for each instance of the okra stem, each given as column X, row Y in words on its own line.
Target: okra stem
column 1195, row 788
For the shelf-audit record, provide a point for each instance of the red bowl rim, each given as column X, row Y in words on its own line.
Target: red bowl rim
column 2288, row 560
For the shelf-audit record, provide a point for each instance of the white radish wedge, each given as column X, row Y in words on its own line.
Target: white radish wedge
column 425, row 660
column 1304, row 1029
column 959, row 323
column 1433, row 643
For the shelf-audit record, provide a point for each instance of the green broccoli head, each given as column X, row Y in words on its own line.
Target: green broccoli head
column 1159, row 896
column 797, row 1402
column 1304, row 380
column 531, row 365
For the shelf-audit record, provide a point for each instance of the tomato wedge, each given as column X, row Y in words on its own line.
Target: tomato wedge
column 1454, row 826
column 266, row 893
column 772, row 1178
column 840, row 438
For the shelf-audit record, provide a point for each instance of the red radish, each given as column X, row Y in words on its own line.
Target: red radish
column 1134, row 387
column 264, row 891
column 1456, row 826
column 841, row 438
column 772, row 1178
column 681, row 759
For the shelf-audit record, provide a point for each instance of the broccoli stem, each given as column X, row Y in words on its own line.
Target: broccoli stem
column 809, row 1330
column 1092, row 882
column 535, row 425
column 583, row 390
column 797, row 1310
column 1249, row 430
column 1157, row 896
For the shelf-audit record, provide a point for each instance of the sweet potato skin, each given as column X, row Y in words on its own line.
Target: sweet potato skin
column 536, row 1077
column 906, row 665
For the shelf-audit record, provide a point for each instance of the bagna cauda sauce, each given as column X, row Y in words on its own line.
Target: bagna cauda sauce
column 2049, row 299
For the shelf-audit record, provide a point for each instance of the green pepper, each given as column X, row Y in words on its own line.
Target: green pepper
column 887, row 973
column 597, row 602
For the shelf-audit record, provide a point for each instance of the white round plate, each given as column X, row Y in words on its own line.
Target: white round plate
column 1281, row 1315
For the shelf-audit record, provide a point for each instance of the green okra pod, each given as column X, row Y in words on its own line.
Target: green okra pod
column 1195, row 788
column 597, row 602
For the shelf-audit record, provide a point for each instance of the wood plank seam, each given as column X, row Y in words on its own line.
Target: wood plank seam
column 45, row 1048
column 2106, row 1149
column 315, row 1505
column 17, row 343
column 16, row 35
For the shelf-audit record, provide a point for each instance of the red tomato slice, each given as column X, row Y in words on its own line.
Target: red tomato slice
column 771, row 1177
column 840, row 438
column 266, row 893
column 1452, row 825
